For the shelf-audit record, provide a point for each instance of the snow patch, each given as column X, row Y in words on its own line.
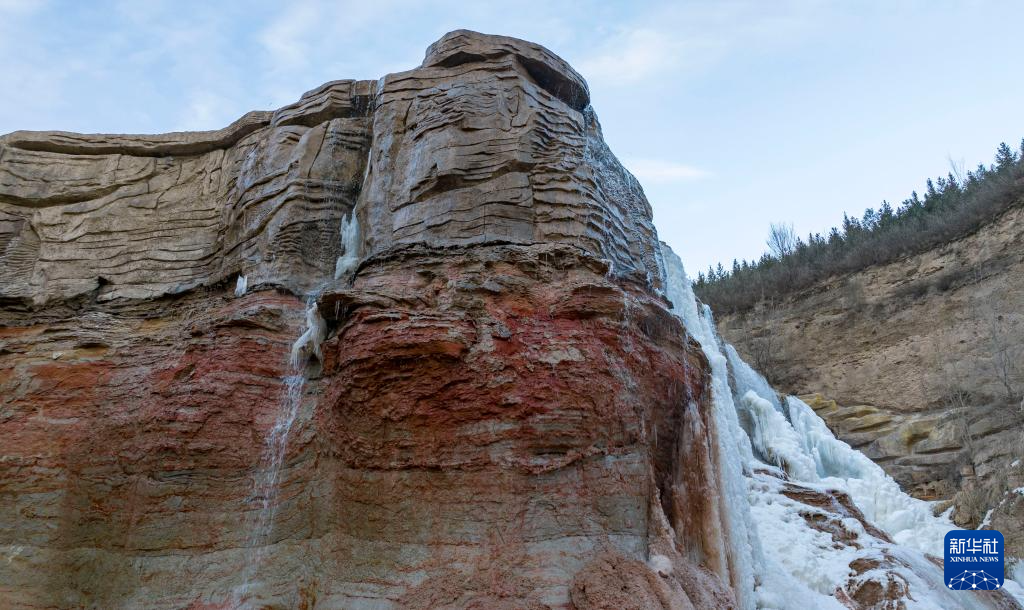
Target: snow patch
column 987, row 521
column 661, row 564
column 1014, row 583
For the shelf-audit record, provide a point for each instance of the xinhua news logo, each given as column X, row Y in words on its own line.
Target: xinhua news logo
column 974, row 560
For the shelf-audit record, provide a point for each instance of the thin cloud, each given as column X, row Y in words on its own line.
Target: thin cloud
column 678, row 40
column 636, row 55
column 662, row 171
column 20, row 7
column 286, row 40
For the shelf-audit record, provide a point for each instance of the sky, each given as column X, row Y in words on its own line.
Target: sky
column 733, row 114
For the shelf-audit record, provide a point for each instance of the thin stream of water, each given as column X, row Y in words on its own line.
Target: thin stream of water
column 266, row 482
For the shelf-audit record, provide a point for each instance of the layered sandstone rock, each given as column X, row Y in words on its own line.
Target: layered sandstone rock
column 493, row 420
column 401, row 344
column 491, row 140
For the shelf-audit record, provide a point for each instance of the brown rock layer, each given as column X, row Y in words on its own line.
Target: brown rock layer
column 495, row 421
column 499, row 411
column 484, row 422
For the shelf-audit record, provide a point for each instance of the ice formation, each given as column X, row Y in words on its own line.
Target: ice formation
column 776, row 559
column 308, row 344
column 660, row 564
column 349, row 246
column 733, row 446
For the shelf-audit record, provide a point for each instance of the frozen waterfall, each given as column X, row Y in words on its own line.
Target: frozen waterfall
column 308, row 343
column 733, row 447
column 775, row 559
column 241, row 286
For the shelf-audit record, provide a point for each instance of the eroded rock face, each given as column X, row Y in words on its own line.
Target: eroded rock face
column 491, row 140
column 494, row 421
column 493, row 407
column 146, row 216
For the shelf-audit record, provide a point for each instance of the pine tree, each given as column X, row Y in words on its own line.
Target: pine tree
column 885, row 215
column 951, row 204
column 1005, row 157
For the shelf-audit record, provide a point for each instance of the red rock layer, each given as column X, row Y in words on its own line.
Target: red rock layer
column 490, row 428
column 129, row 436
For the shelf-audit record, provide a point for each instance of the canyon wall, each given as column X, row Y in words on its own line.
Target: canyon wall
column 918, row 363
column 485, row 410
column 402, row 344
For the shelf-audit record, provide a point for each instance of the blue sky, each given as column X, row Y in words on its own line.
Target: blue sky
column 733, row 114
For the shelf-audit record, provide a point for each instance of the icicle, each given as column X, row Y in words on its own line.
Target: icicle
column 308, row 344
column 241, row 285
column 775, row 440
column 746, row 378
column 349, row 246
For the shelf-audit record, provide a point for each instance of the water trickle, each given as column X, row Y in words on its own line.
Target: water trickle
column 266, row 482
column 266, row 487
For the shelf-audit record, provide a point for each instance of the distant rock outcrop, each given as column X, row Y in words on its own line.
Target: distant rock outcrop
column 918, row 363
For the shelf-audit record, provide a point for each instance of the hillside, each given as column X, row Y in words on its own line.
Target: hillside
column 918, row 363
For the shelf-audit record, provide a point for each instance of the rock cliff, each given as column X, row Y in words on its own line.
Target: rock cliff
column 402, row 344
column 484, row 413
column 918, row 364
